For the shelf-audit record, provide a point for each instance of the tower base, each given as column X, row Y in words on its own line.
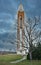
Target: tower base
column 21, row 52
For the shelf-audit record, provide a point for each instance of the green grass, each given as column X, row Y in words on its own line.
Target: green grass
column 6, row 59
column 26, row 62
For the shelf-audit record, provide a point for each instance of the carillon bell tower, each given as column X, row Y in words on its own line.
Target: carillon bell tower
column 20, row 30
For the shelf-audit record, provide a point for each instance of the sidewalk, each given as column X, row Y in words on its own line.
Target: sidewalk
column 19, row 60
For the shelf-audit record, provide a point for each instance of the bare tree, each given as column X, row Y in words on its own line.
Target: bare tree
column 32, row 33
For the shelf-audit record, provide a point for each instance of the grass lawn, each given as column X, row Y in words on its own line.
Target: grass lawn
column 9, row 57
column 6, row 59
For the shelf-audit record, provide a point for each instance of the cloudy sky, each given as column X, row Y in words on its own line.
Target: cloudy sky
column 8, row 11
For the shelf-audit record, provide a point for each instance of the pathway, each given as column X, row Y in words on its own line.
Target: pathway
column 19, row 60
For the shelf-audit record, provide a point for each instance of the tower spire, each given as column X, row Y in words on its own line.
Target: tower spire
column 20, row 6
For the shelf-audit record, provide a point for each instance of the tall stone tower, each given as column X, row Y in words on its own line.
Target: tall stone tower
column 20, row 30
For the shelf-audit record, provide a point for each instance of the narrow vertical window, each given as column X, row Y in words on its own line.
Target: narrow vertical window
column 20, row 21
